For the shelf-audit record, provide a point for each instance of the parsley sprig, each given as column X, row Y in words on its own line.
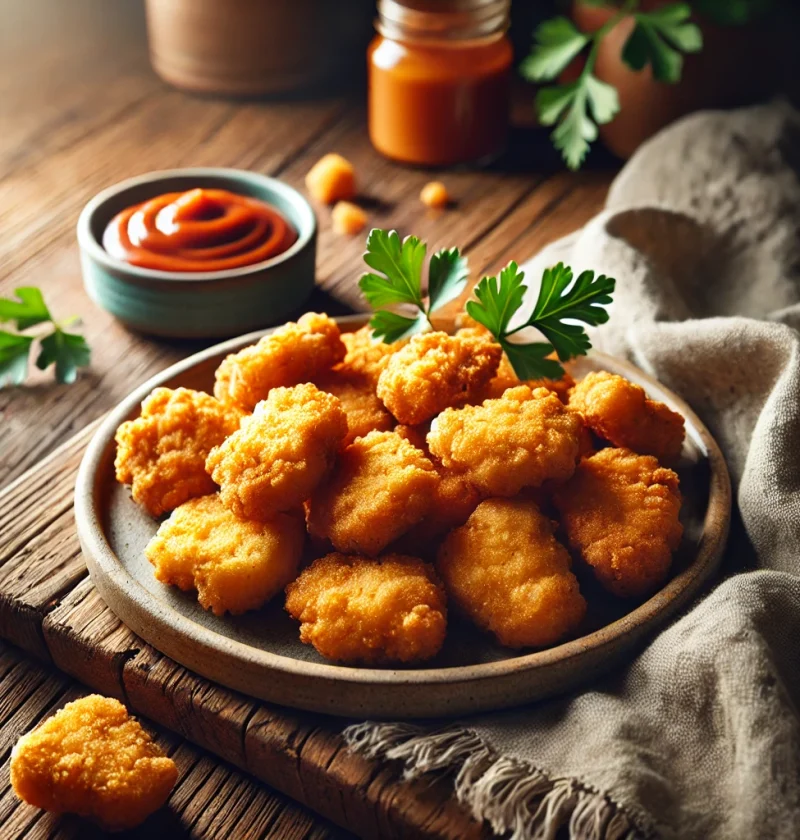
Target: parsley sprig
column 659, row 39
column 68, row 351
column 396, row 279
column 560, row 303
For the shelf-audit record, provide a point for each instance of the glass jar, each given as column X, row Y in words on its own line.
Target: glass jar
column 439, row 75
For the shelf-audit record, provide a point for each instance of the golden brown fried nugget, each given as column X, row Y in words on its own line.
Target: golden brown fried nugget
column 620, row 514
column 508, row 573
column 235, row 565
column 365, row 412
column 366, row 356
column 294, row 353
column 90, row 758
column 520, row 440
column 506, row 378
column 280, row 453
column 435, row 371
column 381, row 487
column 162, row 453
column 360, row 610
column 620, row 412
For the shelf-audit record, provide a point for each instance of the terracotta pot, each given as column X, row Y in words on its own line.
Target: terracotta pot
column 255, row 47
column 736, row 66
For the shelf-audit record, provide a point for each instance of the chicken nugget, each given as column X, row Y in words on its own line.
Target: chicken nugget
column 292, row 354
column 365, row 412
column 620, row 412
column 506, row 378
column 620, row 514
column 92, row 759
column 235, row 565
column 435, row 371
column 506, row 571
column 360, row 610
column 520, row 440
column 367, row 356
column 381, row 487
column 280, row 453
column 162, row 453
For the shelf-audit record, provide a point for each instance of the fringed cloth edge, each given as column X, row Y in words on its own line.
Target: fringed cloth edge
column 514, row 797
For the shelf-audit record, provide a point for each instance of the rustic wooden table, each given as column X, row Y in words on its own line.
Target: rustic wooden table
column 80, row 109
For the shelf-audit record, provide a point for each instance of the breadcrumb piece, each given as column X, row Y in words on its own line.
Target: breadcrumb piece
column 381, row 487
column 365, row 412
column 348, row 219
column 162, row 453
column 505, row 570
column 435, row 371
column 620, row 412
column 520, row 440
column 360, row 610
column 294, row 353
column 90, row 758
column 620, row 514
column 332, row 178
column 235, row 565
column 280, row 453
column 434, row 194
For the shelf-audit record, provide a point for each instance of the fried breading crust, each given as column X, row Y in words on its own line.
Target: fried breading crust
column 360, row 610
column 235, row 565
column 366, row 356
column 505, row 570
column 162, row 453
column 620, row 514
column 619, row 411
column 294, row 353
column 365, row 412
column 435, row 371
column 280, row 453
column 381, row 487
column 506, row 378
column 520, row 440
column 90, row 758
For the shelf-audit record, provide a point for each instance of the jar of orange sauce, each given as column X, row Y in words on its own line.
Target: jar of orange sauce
column 439, row 75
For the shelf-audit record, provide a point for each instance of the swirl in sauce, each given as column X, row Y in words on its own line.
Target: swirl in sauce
column 198, row 230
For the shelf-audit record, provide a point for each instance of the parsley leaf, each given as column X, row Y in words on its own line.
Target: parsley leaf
column 560, row 302
column 658, row 39
column 68, row 351
column 557, row 43
column 27, row 311
column 13, row 358
column 397, row 279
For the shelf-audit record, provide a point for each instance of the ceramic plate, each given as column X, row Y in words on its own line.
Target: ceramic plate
column 260, row 653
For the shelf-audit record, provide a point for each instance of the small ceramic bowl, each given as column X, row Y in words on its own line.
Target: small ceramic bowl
column 208, row 304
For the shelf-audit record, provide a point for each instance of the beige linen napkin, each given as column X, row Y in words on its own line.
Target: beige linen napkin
column 699, row 737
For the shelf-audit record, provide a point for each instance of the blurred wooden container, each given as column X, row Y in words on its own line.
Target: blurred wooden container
column 257, row 47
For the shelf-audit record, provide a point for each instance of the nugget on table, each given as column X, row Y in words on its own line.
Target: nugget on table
column 621, row 412
column 90, row 758
column 381, row 487
column 370, row 611
column 162, row 453
column 522, row 439
column 507, row 572
column 620, row 514
column 235, row 565
column 292, row 354
column 280, row 453
column 435, row 371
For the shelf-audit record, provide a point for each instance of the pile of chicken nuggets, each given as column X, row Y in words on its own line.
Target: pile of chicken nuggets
column 422, row 475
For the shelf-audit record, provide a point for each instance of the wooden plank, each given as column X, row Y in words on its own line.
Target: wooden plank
column 211, row 800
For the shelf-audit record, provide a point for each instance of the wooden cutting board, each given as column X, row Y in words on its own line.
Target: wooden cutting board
column 49, row 608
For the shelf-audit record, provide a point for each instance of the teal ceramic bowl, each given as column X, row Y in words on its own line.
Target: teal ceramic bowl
column 212, row 304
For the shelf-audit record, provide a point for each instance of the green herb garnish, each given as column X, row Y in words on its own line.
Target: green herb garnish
column 560, row 303
column 67, row 350
column 397, row 280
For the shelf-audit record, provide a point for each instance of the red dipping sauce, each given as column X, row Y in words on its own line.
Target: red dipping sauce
column 198, row 230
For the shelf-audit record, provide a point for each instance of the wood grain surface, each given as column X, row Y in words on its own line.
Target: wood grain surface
column 81, row 109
